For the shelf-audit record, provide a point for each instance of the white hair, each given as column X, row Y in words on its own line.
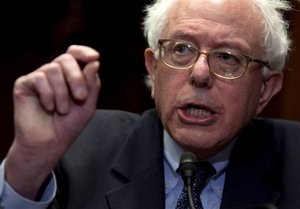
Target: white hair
column 276, row 43
column 155, row 20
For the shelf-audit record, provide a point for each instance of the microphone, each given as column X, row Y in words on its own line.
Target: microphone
column 188, row 169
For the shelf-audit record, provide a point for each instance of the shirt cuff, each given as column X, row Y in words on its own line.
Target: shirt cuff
column 10, row 199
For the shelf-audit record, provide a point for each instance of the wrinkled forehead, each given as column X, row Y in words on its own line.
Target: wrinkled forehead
column 239, row 17
column 228, row 12
column 241, row 11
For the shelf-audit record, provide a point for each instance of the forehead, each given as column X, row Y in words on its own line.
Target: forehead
column 217, row 20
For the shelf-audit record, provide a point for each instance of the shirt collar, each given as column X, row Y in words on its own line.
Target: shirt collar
column 173, row 151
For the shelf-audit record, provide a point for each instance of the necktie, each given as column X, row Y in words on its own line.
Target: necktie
column 205, row 170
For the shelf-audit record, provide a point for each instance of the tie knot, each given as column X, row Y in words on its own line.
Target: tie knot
column 205, row 168
column 204, row 171
column 190, row 194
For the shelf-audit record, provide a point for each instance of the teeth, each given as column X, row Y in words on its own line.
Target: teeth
column 197, row 112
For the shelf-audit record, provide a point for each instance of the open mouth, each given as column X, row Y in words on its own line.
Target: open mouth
column 195, row 111
column 196, row 114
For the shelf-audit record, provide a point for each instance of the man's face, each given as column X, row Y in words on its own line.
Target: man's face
column 199, row 110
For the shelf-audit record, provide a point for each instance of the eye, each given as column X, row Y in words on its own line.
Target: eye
column 181, row 48
column 227, row 58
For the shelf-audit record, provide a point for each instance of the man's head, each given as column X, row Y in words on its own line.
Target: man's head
column 276, row 39
column 200, row 94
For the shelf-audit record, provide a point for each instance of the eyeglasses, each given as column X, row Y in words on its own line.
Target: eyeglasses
column 224, row 63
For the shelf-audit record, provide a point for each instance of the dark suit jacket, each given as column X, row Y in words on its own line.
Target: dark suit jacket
column 117, row 163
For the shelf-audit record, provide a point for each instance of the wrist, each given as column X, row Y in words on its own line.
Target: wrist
column 26, row 171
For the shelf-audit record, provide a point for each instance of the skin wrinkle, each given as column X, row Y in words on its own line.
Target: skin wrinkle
column 195, row 25
column 208, row 28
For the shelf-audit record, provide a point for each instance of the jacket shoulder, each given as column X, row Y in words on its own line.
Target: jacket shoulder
column 280, row 127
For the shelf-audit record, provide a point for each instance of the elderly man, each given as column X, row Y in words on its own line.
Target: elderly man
column 213, row 67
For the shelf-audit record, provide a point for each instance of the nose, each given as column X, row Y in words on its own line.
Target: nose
column 200, row 76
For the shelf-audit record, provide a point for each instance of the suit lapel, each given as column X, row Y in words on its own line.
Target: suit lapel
column 253, row 175
column 140, row 162
column 245, row 189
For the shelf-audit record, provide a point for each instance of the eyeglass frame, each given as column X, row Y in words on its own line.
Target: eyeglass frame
column 248, row 58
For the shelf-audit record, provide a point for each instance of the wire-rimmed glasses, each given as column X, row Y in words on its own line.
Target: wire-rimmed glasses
column 223, row 62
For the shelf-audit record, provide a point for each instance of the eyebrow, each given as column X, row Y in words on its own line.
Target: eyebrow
column 236, row 44
column 184, row 36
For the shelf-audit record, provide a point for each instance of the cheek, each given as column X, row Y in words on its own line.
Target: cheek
column 167, row 85
column 165, row 81
column 242, row 101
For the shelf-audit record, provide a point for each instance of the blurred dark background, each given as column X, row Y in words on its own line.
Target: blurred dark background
column 33, row 32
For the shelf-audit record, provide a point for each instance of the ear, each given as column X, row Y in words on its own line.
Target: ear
column 272, row 84
column 150, row 63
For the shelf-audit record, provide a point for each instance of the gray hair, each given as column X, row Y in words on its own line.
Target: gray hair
column 277, row 42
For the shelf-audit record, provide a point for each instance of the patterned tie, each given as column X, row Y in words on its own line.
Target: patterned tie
column 205, row 170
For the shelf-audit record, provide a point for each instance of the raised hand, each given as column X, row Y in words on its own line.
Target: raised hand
column 51, row 106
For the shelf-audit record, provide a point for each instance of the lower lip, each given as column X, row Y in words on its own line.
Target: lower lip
column 195, row 120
